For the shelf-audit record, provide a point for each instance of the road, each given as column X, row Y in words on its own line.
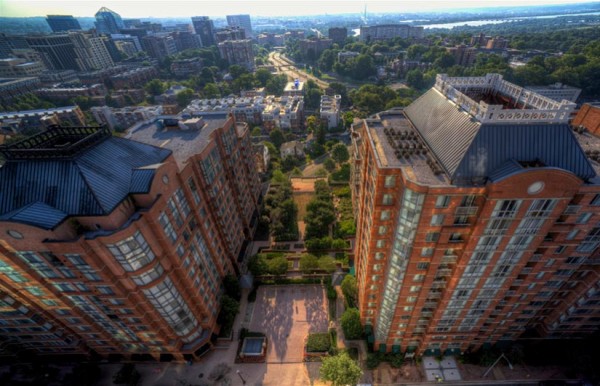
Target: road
column 286, row 66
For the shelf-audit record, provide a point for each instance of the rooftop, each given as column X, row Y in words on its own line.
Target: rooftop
column 72, row 171
column 437, row 141
column 183, row 143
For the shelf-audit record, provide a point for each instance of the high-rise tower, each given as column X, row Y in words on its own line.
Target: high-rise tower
column 477, row 213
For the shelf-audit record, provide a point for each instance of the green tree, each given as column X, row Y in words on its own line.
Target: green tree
column 277, row 265
column 340, row 153
column 263, row 76
column 309, row 263
column 340, row 370
column 256, row 131
column 185, row 97
column 414, row 78
column 229, row 309
column 364, row 67
column 236, row 71
column 351, row 324
column 211, row 90
column 276, row 85
column 276, row 137
column 348, row 118
column 329, row 164
column 155, row 87
column 232, row 287
column 350, row 290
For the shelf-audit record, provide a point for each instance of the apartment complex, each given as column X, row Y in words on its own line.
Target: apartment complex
column 477, row 213
column 389, row 31
column 116, row 246
column 329, row 111
column 241, row 21
column 108, row 22
column 60, row 23
column 205, row 28
column 238, row 52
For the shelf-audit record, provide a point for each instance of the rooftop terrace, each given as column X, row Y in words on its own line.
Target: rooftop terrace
column 491, row 99
column 183, row 143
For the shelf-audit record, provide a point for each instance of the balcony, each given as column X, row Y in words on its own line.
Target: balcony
column 466, row 210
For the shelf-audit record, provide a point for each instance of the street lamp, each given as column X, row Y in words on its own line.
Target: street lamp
column 238, row 372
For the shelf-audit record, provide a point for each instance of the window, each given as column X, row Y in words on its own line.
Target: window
column 432, row 237
column 419, row 277
column 427, row 251
column 387, row 199
column 560, row 249
column 549, row 263
column 380, row 244
column 132, row 253
column 415, row 288
column 468, row 200
column 571, row 235
column 422, row 265
column 437, row 219
column 541, row 208
column 390, row 181
column 379, row 256
column 442, row 201
column 455, row 237
column 596, row 200
column 583, row 218
column 382, row 230
column 506, row 208
column 194, row 190
column 385, row 215
column 167, row 226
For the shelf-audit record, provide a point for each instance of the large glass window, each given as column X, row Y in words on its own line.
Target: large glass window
column 132, row 253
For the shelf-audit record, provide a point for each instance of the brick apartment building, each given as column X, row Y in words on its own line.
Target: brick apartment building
column 477, row 213
column 115, row 246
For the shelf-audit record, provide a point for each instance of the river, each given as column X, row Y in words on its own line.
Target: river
column 476, row 23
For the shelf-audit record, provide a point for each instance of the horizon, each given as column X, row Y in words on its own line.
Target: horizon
column 269, row 8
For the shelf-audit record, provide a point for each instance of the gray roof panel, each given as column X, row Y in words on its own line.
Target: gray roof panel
column 447, row 130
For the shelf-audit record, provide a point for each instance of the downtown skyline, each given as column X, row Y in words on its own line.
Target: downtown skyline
column 181, row 8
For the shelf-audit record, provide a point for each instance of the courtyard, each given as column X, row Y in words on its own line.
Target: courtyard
column 286, row 315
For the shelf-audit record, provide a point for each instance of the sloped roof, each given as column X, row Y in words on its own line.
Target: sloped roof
column 468, row 149
column 42, row 192
column 447, row 130
column 553, row 145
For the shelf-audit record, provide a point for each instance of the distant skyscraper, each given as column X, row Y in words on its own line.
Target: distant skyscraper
column 205, row 28
column 338, row 34
column 242, row 21
column 238, row 52
column 58, row 51
column 108, row 22
column 59, row 23
column 91, row 50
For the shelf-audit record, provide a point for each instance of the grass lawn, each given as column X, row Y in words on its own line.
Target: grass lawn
column 302, row 199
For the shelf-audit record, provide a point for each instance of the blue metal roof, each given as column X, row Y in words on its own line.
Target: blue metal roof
column 92, row 183
column 553, row 145
column 468, row 149
column 141, row 180
column 38, row 214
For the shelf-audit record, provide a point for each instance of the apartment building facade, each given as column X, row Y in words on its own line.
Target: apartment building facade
column 477, row 213
column 118, row 247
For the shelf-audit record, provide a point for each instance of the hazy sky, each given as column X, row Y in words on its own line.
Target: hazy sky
column 166, row 8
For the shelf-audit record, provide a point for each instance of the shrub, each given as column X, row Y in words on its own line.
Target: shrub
column 232, row 287
column 351, row 324
column 395, row 360
column 309, row 263
column 373, row 360
column 350, row 290
column 318, row 342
